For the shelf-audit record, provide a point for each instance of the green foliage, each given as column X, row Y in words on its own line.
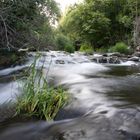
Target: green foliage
column 38, row 99
column 120, row 47
column 102, row 50
column 61, row 41
column 64, row 43
column 20, row 19
column 70, row 24
column 100, row 22
column 86, row 48
column 69, row 49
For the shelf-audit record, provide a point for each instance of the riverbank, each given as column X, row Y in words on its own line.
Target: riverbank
column 11, row 58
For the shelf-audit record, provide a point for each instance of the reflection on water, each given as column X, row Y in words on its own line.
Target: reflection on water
column 123, row 70
column 127, row 91
column 127, row 85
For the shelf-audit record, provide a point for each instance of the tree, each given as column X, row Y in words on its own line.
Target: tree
column 100, row 22
column 26, row 22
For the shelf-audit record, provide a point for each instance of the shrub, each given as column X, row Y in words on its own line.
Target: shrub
column 60, row 41
column 69, row 49
column 64, row 43
column 38, row 99
column 86, row 48
column 102, row 50
column 120, row 47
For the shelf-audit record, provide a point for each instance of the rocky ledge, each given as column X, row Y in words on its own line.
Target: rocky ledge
column 114, row 58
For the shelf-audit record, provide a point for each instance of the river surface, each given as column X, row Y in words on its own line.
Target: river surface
column 104, row 105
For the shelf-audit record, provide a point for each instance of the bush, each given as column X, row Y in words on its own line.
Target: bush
column 64, row 43
column 23, row 23
column 38, row 99
column 86, row 48
column 102, row 50
column 69, row 49
column 61, row 41
column 120, row 47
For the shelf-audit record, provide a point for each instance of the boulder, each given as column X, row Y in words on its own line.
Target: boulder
column 134, row 58
column 137, row 54
column 60, row 62
column 109, row 60
column 105, row 55
column 138, row 48
column 114, row 54
column 103, row 60
column 114, row 60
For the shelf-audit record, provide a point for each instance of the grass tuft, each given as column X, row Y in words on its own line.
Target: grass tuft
column 38, row 99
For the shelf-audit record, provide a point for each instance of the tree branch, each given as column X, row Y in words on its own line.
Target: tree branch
column 6, row 32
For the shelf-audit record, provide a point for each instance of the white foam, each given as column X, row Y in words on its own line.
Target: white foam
column 128, row 63
column 9, row 92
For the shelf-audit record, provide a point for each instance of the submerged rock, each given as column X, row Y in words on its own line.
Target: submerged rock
column 121, row 126
column 60, row 62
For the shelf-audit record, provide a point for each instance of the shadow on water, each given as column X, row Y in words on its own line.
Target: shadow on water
column 127, row 85
column 123, row 70
column 126, row 94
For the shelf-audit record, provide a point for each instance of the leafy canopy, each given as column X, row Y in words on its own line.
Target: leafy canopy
column 100, row 22
column 25, row 23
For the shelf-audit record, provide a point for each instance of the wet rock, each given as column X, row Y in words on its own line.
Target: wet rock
column 117, row 54
column 129, row 56
column 103, row 60
column 60, row 62
column 53, row 55
column 120, row 126
column 105, row 55
column 114, row 60
column 109, row 60
column 138, row 48
column 124, row 59
column 134, row 58
column 114, row 54
column 137, row 54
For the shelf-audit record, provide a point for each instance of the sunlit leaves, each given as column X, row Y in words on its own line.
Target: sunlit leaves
column 101, row 22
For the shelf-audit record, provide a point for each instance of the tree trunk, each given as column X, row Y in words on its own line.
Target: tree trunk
column 137, row 32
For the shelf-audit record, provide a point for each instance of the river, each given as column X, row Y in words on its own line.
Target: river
column 104, row 105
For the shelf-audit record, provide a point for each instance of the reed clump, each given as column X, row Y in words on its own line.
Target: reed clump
column 39, row 99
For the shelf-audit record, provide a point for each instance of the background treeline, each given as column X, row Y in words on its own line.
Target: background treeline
column 100, row 24
column 27, row 23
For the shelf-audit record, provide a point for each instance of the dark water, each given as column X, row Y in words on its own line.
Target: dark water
column 127, row 87
column 105, row 104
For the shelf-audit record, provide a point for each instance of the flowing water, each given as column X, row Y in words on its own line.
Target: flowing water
column 104, row 105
